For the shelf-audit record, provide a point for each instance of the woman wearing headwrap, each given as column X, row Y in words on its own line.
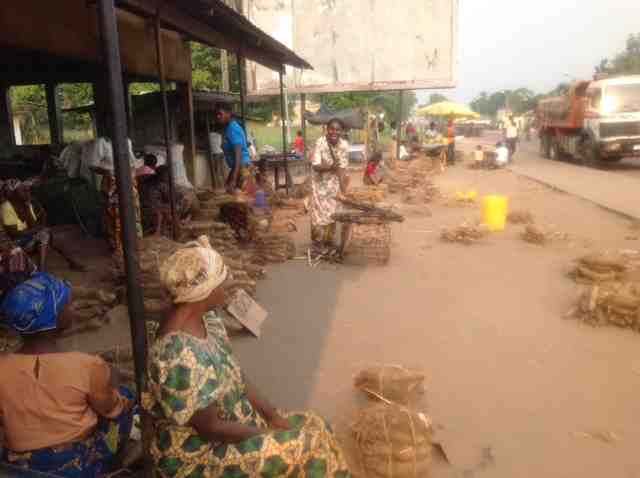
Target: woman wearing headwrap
column 209, row 421
column 59, row 411
column 329, row 162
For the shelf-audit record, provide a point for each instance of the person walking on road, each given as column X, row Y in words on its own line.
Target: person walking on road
column 511, row 137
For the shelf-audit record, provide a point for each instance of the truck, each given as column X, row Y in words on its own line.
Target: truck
column 596, row 122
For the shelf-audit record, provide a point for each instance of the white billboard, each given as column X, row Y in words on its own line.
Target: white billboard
column 359, row 45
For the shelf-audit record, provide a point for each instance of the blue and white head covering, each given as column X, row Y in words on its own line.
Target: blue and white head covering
column 34, row 305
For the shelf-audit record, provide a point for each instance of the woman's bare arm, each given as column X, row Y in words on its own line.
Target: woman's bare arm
column 210, row 427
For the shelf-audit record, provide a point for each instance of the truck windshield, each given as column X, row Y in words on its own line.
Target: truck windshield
column 622, row 98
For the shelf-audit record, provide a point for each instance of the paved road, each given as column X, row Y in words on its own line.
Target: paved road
column 615, row 188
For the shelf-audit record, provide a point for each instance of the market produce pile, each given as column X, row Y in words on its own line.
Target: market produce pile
column 613, row 292
column 368, row 194
column 392, row 438
column 464, row 234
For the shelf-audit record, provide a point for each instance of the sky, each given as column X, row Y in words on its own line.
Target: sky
column 536, row 43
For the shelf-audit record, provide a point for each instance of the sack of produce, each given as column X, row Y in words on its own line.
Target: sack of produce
column 390, row 383
column 393, row 442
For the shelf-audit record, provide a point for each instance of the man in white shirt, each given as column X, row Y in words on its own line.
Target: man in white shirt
column 502, row 155
column 511, row 135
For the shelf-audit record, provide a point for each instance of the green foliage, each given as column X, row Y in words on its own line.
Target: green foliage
column 207, row 71
column 626, row 62
column 30, row 103
column 436, row 98
column 518, row 101
column 384, row 102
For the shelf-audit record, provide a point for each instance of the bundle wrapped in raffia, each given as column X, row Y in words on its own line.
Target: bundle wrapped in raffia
column 10, row 341
column 535, row 235
column 368, row 194
column 210, row 204
column 600, row 267
column 90, row 306
column 390, row 383
column 520, row 217
column 464, row 234
column 614, row 303
column 393, row 442
column 274, row 248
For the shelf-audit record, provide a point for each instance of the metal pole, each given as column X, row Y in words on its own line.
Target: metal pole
column 303, row 122
column 283, row 108
column 399, row 125
column 243, row 92
column 110, row 44
column 166, row 126
column 54, row 113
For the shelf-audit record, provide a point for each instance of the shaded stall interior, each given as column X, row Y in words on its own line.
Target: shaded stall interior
column 111, row 44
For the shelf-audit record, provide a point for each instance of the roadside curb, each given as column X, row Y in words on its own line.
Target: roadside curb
column 554, row 187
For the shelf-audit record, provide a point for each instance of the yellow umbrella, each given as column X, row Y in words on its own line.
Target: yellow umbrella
column 449, row 109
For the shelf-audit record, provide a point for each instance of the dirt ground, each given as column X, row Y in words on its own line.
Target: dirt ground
column 514, row 389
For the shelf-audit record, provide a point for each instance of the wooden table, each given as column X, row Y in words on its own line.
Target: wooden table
column 277, row 162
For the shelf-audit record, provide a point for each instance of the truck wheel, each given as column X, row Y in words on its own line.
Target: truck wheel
column 545, row 146
column 591, row 155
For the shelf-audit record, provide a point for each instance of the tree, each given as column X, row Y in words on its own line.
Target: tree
column 387, row 102
column 437, row 98
column 626, row 62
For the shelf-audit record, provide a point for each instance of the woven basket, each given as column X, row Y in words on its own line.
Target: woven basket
column 370, row 243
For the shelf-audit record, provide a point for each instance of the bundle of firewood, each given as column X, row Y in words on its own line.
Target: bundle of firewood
column 274, row 248
column 600, row 267
column 615, row 303
column 90, row 307
column 210, row 202
column 369, row 194
column 10, row 341
column 425, row 193
column 535, row 235
column 464, row 234
column 520, row 217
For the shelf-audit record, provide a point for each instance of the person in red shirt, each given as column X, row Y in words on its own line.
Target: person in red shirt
column 298, row 144
column 372, row 176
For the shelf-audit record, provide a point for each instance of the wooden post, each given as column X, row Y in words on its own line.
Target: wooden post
column 111, row 55
column 185, row 93
column 285, row 147
column 303, row 122
column 399, row 125
column 7, row 132
column 210, row 160
column 54, row 113
column 166, row 126
column 129, row 110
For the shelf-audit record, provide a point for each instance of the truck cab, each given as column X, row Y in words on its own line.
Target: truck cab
column 612, row 118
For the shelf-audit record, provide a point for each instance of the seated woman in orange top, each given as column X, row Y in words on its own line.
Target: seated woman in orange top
column 59, row 411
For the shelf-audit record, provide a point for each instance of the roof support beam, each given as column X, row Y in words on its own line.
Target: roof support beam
column 177, row 20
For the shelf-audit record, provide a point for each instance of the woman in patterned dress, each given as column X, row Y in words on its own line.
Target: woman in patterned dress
column 208, row 420
column 329, row 162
